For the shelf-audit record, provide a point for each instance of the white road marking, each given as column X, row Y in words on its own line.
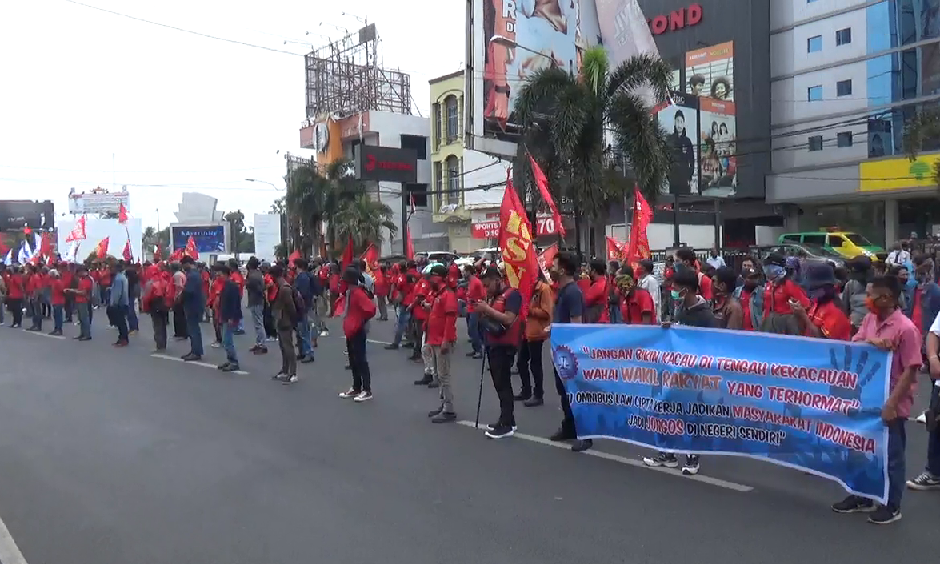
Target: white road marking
column 627, row 461
column 41, row 334
column 378, row 342
column 195, row 362
column 9, row 552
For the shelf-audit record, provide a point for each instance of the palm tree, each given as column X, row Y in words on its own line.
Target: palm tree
column 315, row 195
column 363, row 218
column 567, row 118
column 925, row 126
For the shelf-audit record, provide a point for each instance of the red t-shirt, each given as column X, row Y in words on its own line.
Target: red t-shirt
column 638, row 303
column 84, row 290
column 32, row 283
column 597, row 295
column 777, row 297
column 442, row 320
column 422, row 291
column 746, row 306
column 705, row 286
column 584, row 284
column 476, row 292
column 16, row 287
column 271, row 288
column 831, row 320
column 359, row 310
column 58, row 292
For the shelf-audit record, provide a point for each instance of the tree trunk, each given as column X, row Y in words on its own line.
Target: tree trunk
column 577, row 234
column 600, row 235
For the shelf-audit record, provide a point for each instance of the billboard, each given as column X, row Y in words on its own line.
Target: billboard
column 98, row 229
column 680, row 121
column 485, row 225
column 209, row 239
column 98, row 200
column 546, row 32
column 17, row 214
column 710, row 71
column 717, row 154
column 267, row 232
column 387, row 164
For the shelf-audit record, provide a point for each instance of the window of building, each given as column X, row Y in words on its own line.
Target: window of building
column 815, row 143
column 844, row 139
column 452, row 118
column 814, row 44
column 436, row 110
column 844, row 36
column 453, row 181
column 844, row 88
column 439, row 182
column 416, row 143
column 814, row 93
column 417, row 193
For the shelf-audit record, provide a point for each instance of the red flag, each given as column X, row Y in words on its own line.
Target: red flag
column 78, row 232
column 45, row 246
column 157, row 253
column 547, row 259
column 3, row 249
column 412, row 205
column 191, row 250
column 371, row 258
column 409, row 245
column 639, row 247
column 615, row 249
column 122, row 213
column 101, row 250
column 542, row 183
column 515, row 240
column 128, row 254
column 294, row 256
column 176, row 255
column 348, row 252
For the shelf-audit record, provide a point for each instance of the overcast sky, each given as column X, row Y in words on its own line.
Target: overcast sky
column 178, row 111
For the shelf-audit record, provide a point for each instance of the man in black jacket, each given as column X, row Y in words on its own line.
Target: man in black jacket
column 304, row 287
column 230, row 314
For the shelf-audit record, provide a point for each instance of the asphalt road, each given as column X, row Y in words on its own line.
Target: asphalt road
column 112, row 456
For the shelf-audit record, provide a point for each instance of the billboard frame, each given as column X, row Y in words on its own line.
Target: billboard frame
column 226, row 233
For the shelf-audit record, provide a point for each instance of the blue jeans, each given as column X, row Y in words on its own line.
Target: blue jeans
column 57, row 317
column 228, row 342
column 84, row 319
column 132, row 321
column 403, row 317
column 37, row 312
column 257, row 319
column 615, row 314
column 303, row 336
column 193, row 327
column 897, row 469
column 933, row 444
column 473, row 329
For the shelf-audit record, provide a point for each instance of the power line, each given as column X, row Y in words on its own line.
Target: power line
column 279, row 167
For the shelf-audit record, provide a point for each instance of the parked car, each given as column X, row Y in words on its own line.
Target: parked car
column 846, row 243
column 803, row 251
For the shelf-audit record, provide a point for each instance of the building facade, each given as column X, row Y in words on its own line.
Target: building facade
column 845, row 77
column 460, row 204
column 334, row 138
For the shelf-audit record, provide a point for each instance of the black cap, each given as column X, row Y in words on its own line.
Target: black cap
column 817, row 275
column 439, row 270
column 776, row 259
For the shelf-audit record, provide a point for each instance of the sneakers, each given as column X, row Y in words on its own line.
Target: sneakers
column 582, row 445
column 290, row 380
column 854, row 504
column 391, row 347
column 523, row 395
column 662, row 460
column 494, row 426
column 501, row 432
column 884, row 515
column 363, row 396
column 191, row 357
column 279, row 377
column 228, row 367
column 444, row 417
column 216, row 345
column 350, row 393
column 424, row 381
column 562, row 434
column 260, row 350
column 534, row 401
column 922, row 418
column 925, row 481
column 691, row 466
column 307, row 359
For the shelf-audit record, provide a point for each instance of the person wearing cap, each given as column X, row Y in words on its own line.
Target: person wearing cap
column 441, row 338
column 854, row 295
column 825, row 318
column 636, row 307
column 359, row 309
column 502, row 329
column 779, row 291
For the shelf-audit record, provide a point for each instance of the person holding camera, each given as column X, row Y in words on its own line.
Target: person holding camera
column 502, row 330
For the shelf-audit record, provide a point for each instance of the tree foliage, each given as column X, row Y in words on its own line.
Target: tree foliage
column 923, row 127
column 576, row 125
column 243, row 240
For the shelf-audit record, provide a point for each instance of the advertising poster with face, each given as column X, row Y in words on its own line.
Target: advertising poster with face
column 880, row 140
column 717, row 148
column 680, row 121
column 710, row 71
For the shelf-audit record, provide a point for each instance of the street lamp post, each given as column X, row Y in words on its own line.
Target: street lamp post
column 271, row 184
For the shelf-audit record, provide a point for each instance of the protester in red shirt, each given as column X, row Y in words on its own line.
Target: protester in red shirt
column 686, row 257
column 637, row 307
column 82, row 294
column 597, row 296
column 441, row 338
column 778, row 293
column 423, row 296
column 215, row 290
column 57, row 298
column 16, row 293
column 825, row 318
column 359, row 310
column 476, row 292
column 157, row 301
column 380, row 285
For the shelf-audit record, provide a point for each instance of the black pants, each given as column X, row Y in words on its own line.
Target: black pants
column 69, row 307
column 268, row 320
column 179, row 322
column 160, row 321
column 500, row 358
column 530, row 360
column 16, row 308
column 567, row 424
column 285, row 338
column 356, row 346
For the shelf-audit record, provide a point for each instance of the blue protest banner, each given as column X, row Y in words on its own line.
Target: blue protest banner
column 810, row 404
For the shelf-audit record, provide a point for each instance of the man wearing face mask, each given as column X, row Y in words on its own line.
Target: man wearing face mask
column 725, row 307
column 925, row 299
column 853, row 295
column 686, row 256
column 692, row 310
column 751, row 296
column 825, row 318
column 441, row 336
column 778, row 293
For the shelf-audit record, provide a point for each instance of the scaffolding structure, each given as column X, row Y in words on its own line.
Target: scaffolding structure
column 345, row 77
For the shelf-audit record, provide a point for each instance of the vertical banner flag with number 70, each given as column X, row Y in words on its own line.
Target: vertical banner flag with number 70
column 516, row 242
column 542, row 184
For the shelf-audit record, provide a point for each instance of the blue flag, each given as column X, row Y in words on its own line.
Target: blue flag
column 811, row 404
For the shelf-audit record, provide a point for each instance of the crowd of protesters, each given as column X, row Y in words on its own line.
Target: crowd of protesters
column 889, row 303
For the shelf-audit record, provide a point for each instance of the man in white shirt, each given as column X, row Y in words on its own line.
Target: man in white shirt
column 715, row 260
column 649, row 283
column 899, row 255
